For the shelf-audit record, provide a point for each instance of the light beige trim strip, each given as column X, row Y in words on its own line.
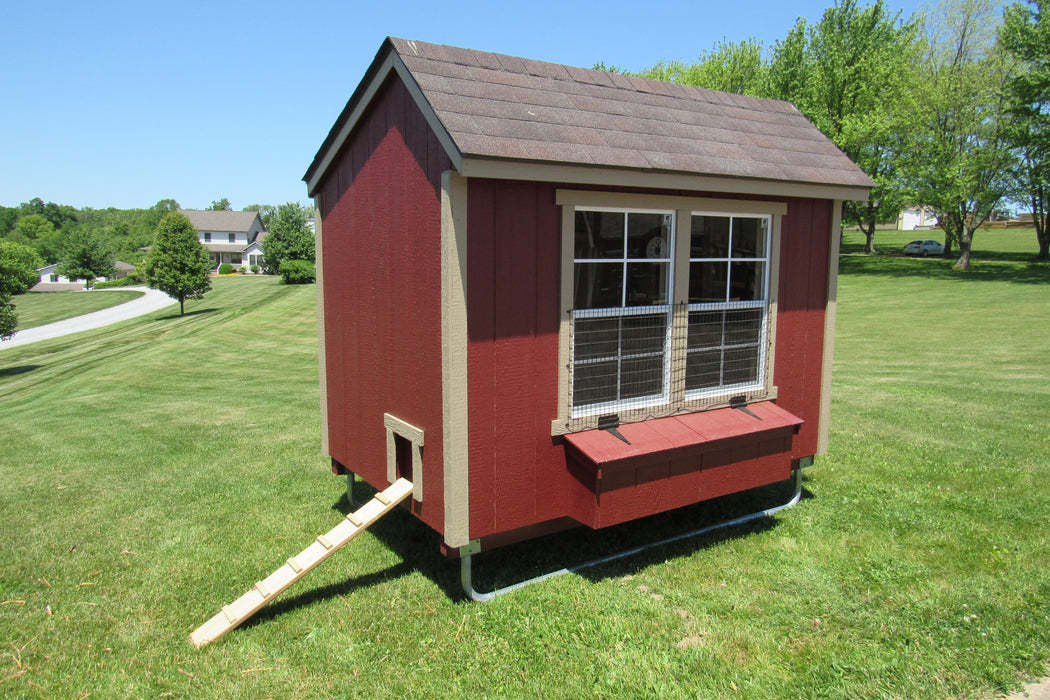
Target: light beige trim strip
column 454, row 384
column 594, row 175
column 397, row 427
column 627, row 200
column 392, row 62
column 321, row 353
column 829, row 330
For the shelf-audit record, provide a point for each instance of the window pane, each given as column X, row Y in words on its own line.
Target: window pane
column 743, row 327
column 705, row 329
column 747, row 281
column 749, row 237
column 599, row 234
column 710, row 237
column 707, row 282
column 596, row 338
column 702, row 369
column 648, row 235
column 645, row 334
column 646, row 284
column 594, row 383
column 598, row 285
column 741, row 366
column 641, row 377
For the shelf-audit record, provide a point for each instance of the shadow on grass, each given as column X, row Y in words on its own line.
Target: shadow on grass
column 1023, row 271
column 15, row 371
column 418, row 546
column 198, row 312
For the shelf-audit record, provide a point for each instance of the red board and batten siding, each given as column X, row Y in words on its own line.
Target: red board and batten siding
column 518, row 473
column 381, row 236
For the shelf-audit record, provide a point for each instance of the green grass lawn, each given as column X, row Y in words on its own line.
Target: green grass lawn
column 152, row 471
column 40, row 308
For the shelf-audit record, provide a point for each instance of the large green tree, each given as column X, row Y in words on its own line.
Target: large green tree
column 18, row 272
column 288, row 237
column 177, row 263
column 1025, row 34
column 729, row 67
column 849, row 74
column 85, row 255
column 221, row 205
column 958, row 159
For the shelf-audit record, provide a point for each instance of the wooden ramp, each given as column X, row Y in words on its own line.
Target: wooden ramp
column 298, row 566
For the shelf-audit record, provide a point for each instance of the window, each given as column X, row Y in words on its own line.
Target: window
column 235, row 258
column 233, row 238
column 207, row 238
column 667, row 306
column 621, row 308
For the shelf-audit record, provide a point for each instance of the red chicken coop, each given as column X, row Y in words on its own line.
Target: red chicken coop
column 553, row 296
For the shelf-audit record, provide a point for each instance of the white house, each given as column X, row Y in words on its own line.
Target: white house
column 51, row 281
column 916, row 218
column 233, row 237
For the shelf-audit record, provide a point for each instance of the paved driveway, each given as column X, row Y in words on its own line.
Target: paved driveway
column 151, row 300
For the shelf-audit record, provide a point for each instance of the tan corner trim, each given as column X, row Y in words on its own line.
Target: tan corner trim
column 596, row 175
column 397, row 427
column 321, row 353
column 392, row 62
column 454, row 370
column 829, row 330
column 568, row 216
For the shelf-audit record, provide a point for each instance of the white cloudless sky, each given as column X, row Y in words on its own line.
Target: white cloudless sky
column 120, row 104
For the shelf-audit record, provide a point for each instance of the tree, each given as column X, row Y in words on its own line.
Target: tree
column 1025, row 34
column 85, row 256
column 178, row 263
column 265, row 211
column 288, row 238
column 221, row 205
column 958, row 159
column 18, row 264
column 729, row 67
column 31, row 227
column 849, row 74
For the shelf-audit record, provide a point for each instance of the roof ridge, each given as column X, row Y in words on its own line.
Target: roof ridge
column 589, row 76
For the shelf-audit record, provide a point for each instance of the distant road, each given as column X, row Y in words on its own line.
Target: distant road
column 151, row 300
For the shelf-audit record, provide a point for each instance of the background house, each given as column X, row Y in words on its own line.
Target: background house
column 51, row 281
column 233, row 237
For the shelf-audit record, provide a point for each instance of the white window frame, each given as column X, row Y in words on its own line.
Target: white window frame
column 623, row 310
column 675, row 399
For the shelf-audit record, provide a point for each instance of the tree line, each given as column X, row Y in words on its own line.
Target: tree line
column 948, row 109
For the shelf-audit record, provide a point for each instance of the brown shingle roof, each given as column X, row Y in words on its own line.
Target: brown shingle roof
column 507, row 108
column 209, row 220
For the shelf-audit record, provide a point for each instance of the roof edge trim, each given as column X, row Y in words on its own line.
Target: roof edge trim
column 386, row 61
column 604, row 175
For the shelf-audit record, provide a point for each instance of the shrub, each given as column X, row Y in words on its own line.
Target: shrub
column 255, row 269
column 129, row 281
column 242, row 270
column 297, row 271
column 226, row 269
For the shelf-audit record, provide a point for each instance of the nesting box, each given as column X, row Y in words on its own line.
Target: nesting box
column 553, row 296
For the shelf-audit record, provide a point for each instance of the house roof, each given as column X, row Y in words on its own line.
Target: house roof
column 229, row 221
column 225, row 247
column 489, row 107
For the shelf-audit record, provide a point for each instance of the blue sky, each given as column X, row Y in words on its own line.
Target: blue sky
column 124, row 104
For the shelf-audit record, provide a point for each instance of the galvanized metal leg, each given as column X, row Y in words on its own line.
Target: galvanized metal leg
column 466, row 573
column 350, row 490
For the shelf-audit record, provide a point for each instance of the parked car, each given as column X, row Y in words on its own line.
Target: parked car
column 923, row 248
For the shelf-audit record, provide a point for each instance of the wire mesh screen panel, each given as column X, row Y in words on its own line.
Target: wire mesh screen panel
column 725, row 347
column 619, row 358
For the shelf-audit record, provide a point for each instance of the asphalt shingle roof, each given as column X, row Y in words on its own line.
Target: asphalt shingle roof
column 507, row 108
column 209, row 220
